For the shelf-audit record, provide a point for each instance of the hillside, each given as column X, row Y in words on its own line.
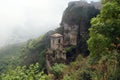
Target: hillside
column 86, row 46
column 34, row 50
column 11, row 55
column 26, row 53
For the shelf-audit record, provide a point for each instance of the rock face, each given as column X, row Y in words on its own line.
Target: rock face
column 78, row 3
column 76, row 22
column 70, row 34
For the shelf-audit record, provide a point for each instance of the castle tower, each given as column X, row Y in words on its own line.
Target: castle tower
column 56, row 52
column 56, row 41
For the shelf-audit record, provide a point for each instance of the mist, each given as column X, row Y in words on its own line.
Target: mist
column 21, row 20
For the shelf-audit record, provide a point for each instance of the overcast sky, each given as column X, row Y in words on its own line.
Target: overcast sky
column 32, row 16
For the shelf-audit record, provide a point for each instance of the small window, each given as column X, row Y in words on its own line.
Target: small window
column 59, row 40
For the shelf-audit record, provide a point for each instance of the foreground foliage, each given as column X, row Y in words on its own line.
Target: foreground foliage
column 104, row 42
column 24, row 73
column 58, row 70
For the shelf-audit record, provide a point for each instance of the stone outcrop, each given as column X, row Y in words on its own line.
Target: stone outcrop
column 76, row 22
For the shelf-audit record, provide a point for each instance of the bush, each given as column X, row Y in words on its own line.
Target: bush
column 24, row 73
column 58, row 70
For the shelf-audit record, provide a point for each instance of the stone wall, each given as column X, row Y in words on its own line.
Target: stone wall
column 56, row 42
column 54, row 56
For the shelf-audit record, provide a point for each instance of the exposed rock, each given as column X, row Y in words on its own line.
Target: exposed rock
column 70, row 34
column 76, row 22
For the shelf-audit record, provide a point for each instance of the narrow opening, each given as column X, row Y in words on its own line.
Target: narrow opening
column 59, row 40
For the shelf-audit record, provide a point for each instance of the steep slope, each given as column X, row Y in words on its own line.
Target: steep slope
column 35, row 49
column 26, row 53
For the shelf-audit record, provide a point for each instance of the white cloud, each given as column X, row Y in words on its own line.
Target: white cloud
column 34, row 16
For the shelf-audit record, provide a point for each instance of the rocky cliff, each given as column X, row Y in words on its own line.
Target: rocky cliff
column 76, row 22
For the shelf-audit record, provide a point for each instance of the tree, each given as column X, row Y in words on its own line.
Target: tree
column 105, row 36
column 58, row 70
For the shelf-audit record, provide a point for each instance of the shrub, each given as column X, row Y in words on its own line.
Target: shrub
column 58, row 70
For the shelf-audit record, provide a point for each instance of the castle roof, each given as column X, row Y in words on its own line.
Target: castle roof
column 56, row 35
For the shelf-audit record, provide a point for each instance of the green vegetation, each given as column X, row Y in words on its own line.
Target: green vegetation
column 11, row 55
column 58, row 70
column 35, row 50
column 78, row 70
column 104, row 41
column 69, row 49
column 24, row 73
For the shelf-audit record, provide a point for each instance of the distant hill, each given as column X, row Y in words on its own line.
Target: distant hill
column 11, row 55
column 18, row 35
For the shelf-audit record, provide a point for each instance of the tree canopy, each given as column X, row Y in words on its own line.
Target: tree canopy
column 104, row 42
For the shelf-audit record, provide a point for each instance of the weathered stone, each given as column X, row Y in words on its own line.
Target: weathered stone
column 70, row 34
